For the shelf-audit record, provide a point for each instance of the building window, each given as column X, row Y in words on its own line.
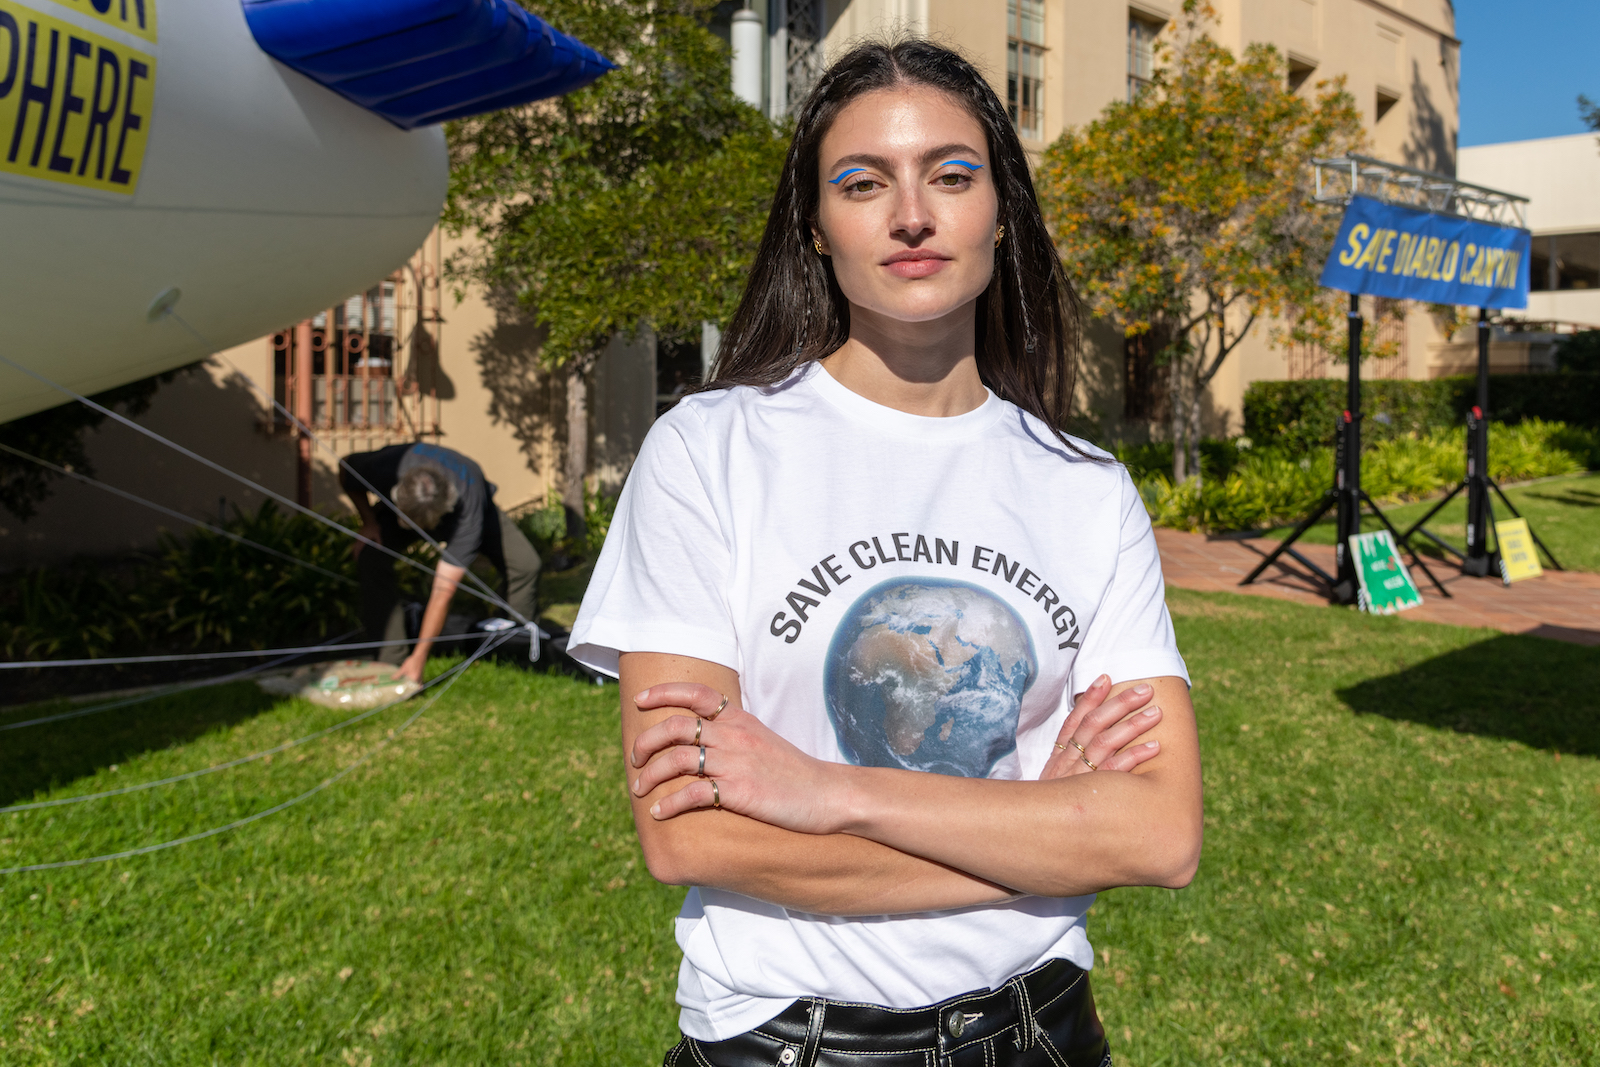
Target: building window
column 1025, row 66
column 1387, row 99
column 1300, row 70
column 805, row 29
column 1144, row 379
column 1565, row 261
column 1141, row 53
column 353, row 381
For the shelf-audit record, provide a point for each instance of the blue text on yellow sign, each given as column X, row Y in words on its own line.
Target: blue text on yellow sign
column 1407, row 254
column 74, row 106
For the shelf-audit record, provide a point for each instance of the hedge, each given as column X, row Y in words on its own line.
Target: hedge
column 1299, row 416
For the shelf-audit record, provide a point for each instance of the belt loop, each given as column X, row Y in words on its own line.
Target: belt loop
column 808, row 1055
column 1027, row 1026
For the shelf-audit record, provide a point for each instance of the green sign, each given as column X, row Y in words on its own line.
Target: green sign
column 1386, row 585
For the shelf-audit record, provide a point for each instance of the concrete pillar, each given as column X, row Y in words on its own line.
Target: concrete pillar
column 747, row 45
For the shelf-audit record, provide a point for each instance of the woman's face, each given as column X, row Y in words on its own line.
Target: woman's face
column 908, row 204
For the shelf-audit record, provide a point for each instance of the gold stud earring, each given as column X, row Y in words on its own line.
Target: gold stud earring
column 816, row 242
column 998, row 235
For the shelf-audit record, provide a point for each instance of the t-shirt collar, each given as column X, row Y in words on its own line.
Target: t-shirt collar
column 900, row 423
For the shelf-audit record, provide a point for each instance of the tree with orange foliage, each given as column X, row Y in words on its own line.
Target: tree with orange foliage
column 1189, row 209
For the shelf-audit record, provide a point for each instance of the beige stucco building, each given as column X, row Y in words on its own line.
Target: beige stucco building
column 405, row 361
column 1058, row 63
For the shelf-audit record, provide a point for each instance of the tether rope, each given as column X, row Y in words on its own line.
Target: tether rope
column 156, row 694
column 220, row 469
column 307, row 795
column 369, row 713
column 64, row 472
column 120, row 661
column 343, row 464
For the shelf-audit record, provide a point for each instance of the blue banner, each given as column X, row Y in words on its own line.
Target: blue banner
column 1408, row 254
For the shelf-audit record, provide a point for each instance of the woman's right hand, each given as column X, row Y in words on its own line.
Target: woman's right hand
column 1105, row 727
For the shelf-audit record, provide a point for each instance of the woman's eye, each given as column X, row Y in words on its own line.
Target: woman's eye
column 951, row 181
column 863, row 186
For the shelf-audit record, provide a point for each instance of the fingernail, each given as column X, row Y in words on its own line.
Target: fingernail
column 1152, row 744
column 1104, row 679
column 655, row 810
column 642, row 694
column 1142, row 690
column 1152, row 713
column 637, row 782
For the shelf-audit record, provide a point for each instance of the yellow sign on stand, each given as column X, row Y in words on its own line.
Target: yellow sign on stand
column 1518, row 558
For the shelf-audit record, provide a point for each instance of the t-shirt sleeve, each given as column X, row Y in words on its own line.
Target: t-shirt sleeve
column 1131, row 633
column 660, row 583
column 466, row 540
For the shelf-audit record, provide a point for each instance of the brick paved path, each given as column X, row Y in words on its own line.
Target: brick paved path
column 1564, row 605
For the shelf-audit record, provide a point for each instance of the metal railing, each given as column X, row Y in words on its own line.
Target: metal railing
column 1354, row 175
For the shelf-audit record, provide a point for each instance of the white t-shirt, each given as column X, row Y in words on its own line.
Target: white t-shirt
column 893, row 590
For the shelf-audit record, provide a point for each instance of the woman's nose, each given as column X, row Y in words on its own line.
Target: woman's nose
column 912, row 218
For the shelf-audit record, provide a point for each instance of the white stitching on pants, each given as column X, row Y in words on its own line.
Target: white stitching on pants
column 1073, row 985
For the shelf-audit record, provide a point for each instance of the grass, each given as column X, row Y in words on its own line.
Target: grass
column 1564, row 512
column 1401, row 855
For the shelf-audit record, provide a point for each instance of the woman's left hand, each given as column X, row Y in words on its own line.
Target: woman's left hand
column 746, row 767
column 1102, row 729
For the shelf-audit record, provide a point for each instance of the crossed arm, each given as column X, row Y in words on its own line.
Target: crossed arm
column 834, row 839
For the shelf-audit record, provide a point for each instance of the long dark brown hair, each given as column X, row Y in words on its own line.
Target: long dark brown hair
column 793, row 311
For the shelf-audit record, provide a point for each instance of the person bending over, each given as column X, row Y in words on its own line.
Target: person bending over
column 446, row 494
column 900, row 692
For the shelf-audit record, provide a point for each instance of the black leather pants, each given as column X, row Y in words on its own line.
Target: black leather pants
column 1044, row 1018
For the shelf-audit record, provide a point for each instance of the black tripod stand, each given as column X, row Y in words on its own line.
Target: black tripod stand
column 1343, row 588
column 1477, row 560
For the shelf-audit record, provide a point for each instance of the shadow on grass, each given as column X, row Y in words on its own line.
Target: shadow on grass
column 1513, row 686
column 53, row 754
column 1578, row 498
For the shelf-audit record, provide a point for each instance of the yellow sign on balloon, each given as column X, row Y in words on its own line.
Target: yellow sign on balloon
column 1518, row 558
column 74, row 106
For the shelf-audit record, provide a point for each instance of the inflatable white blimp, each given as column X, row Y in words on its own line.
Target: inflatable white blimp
column 253, row 162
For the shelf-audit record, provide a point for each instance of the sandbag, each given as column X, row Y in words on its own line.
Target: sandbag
column 348, row 683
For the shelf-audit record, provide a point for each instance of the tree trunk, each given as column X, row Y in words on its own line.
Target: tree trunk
column 577, row 465
column 1177, row 410
column 1196, row 389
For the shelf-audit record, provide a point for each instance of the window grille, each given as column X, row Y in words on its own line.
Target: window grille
column 805, row 29
column 1025, row 66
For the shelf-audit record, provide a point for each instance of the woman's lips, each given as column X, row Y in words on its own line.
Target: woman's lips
column 915, row 264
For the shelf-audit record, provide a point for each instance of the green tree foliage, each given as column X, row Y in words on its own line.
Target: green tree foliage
column 1589, row 112
column 636, row 202
column 57, row 436
column 1188, row 209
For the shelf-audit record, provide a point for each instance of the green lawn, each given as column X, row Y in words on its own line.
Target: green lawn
column 1400, row 859
column 1564, row 512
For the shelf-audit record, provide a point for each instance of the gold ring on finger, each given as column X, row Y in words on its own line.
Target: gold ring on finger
column 1087, row 764
column 1081, row 750
column 716, row 795
column 698, row 723
column 720, row 708
column 1059, row 745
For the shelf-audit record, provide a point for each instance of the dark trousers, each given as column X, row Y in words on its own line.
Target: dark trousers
column 504, row 546
column 1044, row 1018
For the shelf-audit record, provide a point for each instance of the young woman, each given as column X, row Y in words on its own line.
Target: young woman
column 852, row 589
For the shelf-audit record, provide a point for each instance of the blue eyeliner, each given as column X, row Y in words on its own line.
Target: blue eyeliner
column 846, row 174
column 964, row 163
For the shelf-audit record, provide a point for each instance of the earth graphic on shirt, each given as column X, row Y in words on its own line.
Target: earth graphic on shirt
column 928, row 675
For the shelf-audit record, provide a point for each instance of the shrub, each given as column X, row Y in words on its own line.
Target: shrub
column 1299, row 416
column 1273, row 487
column 207, row 589
column 197, row 592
